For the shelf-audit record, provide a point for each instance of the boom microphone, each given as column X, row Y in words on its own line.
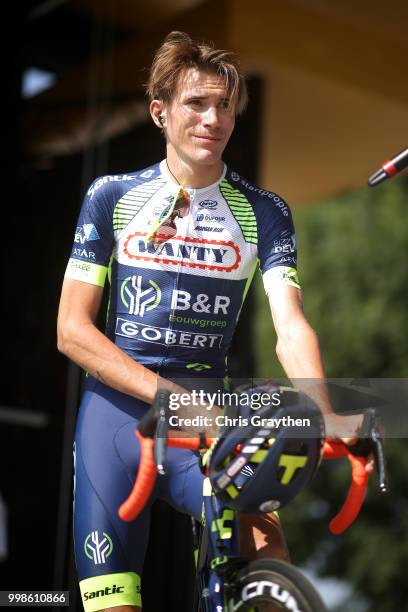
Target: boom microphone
column 389, row 168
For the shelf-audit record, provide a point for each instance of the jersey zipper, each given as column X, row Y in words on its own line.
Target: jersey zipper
column 185, row 224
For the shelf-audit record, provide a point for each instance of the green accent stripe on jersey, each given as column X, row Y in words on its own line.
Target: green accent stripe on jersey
column 198, row 367
column 241, row 210
column 110, row 292
column 110, row 590
column 247, row 287
column 124, row 213
column 128, row 206
column 249, row 280
column 110, row 269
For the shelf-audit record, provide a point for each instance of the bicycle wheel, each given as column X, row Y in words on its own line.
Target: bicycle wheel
column 265, row 582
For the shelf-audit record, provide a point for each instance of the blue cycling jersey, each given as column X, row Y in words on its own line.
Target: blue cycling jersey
column 176, row 305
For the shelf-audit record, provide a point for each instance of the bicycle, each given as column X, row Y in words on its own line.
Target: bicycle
column 225, row 581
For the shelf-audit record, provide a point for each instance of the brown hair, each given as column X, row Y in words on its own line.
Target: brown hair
column 178, row 53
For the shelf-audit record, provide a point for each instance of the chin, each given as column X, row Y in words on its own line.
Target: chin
column 206, row 157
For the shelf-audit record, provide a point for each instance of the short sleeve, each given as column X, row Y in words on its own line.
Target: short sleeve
column 94, row 238
column 277, row 251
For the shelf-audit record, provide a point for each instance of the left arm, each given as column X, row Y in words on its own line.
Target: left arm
column 299, row 353
column 297, row 345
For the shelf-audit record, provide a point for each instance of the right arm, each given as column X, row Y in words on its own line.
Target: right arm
column 82, row 342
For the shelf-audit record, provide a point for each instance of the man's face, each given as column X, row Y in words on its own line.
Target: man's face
column 199, row 120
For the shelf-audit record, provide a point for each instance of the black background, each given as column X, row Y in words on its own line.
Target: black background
column 40, row 206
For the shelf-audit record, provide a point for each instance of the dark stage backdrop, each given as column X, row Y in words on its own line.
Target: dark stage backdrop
column 42, row 389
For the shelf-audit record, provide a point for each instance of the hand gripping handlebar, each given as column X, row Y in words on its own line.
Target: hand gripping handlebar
column 357, row 454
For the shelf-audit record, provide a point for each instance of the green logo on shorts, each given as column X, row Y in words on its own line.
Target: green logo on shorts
column 98, row 548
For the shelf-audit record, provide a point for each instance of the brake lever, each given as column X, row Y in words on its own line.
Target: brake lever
column 379, row 457
column 160, row 437
column 372, row 442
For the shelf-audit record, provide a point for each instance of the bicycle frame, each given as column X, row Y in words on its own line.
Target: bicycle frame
column 217, row 566
column 222, row 558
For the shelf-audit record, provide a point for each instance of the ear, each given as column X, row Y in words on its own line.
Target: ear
column 156, row 111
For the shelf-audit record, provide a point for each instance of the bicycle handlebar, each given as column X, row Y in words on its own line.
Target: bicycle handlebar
column 152, row 435
column 147, row 473
column 145, row 481
column 358, row 486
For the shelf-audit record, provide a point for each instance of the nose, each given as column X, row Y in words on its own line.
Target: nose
column 211, row 116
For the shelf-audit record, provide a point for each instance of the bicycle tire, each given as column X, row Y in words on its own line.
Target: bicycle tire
column 268, row 581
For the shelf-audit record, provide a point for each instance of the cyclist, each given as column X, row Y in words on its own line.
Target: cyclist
column 180, row 241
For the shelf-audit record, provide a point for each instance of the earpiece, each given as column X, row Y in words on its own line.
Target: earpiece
column 160, row 118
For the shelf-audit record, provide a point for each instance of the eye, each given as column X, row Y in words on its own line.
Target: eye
column 197, row 102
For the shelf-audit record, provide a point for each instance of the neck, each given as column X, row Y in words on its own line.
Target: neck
column 194, row 176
